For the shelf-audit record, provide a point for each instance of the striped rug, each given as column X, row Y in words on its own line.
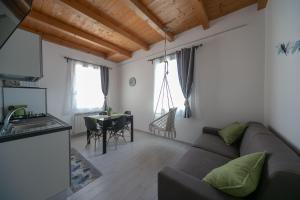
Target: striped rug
column 82, row 171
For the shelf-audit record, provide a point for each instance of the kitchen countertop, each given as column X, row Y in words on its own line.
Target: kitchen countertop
column 38, row 131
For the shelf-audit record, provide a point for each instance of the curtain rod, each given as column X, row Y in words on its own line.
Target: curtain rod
column 198, row 40
column 68, row 58
column 169, row 54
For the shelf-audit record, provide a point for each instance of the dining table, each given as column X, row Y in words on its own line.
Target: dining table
column 105, row 122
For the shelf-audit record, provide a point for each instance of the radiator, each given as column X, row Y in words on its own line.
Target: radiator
column 78, row 122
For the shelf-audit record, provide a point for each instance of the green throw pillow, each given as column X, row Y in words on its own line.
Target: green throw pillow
column 238, row 177
column 232, row 132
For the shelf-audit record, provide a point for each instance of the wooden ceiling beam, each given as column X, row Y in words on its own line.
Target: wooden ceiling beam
column 201, row 13
column 106, row 21
column 110, row 56
column 50, row 21
column 142, row 11
column 63, row 42
column 29, row 29
column 261, row 4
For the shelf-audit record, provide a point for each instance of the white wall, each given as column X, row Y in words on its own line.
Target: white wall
column 55, row 77
column 282, row 72
column 229, row 76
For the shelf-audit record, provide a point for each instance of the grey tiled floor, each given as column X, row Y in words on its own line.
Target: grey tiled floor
column 130, row 171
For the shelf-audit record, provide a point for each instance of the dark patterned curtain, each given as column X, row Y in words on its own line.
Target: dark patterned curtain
column 105, row 83
column 185, row 65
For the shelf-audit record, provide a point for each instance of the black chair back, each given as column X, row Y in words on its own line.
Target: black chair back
column 118, row 123
column 103, row 113
column 91, row 124
column 127, row 112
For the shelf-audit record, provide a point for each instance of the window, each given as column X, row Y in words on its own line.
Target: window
column 87, row 93
column 177, row 96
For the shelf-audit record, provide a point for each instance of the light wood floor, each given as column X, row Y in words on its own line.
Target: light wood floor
column 130, row 172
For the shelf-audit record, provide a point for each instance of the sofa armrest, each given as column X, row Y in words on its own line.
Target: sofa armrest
column 177, row 185
column 210, row 130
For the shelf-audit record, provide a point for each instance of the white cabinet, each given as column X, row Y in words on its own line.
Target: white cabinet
column 21, row 57
column 35, row 168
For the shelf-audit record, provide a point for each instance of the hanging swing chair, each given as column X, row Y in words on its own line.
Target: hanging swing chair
column 165, row 123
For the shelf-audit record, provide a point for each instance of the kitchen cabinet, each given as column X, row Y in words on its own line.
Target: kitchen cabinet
column 36, row 167
column 21, row 57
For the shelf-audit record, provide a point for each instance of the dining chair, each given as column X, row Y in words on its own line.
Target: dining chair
column 117, row 129
column 93, row 129
column 127, row 112
column 103, row 113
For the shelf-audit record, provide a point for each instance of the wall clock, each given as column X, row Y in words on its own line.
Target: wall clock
column 132, row 81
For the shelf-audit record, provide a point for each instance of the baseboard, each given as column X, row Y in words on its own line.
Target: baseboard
column 63, row 195
column 78, row 134
column 147, row 132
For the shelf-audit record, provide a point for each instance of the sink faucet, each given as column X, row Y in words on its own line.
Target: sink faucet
column 6, row 124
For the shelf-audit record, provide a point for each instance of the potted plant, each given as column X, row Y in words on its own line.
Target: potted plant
column 109, row 111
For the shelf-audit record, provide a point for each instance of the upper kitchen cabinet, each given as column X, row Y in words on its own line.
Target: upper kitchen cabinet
column 21, row 57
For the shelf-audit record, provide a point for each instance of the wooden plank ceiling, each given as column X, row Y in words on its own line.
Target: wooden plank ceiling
column 114, row 29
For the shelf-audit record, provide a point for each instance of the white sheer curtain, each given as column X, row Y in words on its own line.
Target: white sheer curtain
column 178, row 98
column 83, row 88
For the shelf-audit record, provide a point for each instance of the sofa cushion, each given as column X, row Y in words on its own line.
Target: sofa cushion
column 214, row 143
column 176, row 185
column 270, row 143
column 255, row 124
column 281, row 170
column 254, row 128
column 281, row 185
column 198, row 162
column 280, row 156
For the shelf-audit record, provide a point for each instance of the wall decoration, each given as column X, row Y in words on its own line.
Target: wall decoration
column 289, row 48
column 132, row 81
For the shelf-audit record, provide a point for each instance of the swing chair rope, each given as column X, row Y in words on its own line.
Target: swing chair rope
column 165, row 91
column 166, row 82
column 169, row 96
column 168, row 87
column 165, row 88
column 163, row 95
column 165, row 122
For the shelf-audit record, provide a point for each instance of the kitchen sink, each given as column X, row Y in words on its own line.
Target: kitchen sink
column 37, row 124
column 31, row 126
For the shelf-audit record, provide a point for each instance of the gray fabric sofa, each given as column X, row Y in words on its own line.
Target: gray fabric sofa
column 280, row 177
